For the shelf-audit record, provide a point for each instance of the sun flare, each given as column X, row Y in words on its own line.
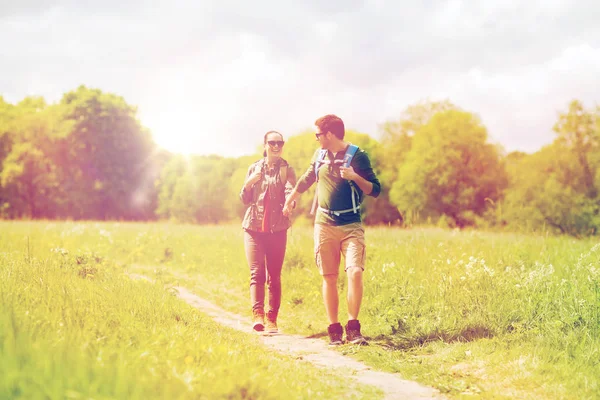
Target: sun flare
column 178, row 132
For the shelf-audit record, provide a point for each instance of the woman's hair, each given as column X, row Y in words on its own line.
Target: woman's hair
column 265, row 140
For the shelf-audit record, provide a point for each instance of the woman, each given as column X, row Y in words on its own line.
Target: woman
column 268, row 182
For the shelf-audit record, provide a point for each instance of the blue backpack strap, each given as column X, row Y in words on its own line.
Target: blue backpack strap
column 319, row 161
column 350, row 152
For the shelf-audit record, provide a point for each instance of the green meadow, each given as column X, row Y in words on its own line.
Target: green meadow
column 473, row 314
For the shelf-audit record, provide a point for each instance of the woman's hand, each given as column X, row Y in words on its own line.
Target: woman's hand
column 254, row 178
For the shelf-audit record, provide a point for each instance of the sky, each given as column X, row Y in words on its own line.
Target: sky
column 211, row 77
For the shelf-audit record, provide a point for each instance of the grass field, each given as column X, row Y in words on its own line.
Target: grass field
column 470, row 313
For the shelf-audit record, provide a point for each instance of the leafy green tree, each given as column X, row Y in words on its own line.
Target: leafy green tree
column 28, row 175
column 198, row 189
column 577, row 132
column 6, row 121
column 539, row 198
column 105, row 156
column 212, row 177
column 6, row 141
column 396, row 142
column 556, row 188
column 183, row 202
column 173, row 168
column 450, row 170
column 396, row 136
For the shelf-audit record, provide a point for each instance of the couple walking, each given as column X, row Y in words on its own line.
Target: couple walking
column 343, row 175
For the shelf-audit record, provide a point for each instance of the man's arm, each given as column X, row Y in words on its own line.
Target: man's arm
column 305, row 182
column 291, row 181
column 363, row 184
column 367, row 180
column 290, row 201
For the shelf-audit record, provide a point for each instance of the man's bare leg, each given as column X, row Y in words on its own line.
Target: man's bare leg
column 355, row 291
column 330, row 297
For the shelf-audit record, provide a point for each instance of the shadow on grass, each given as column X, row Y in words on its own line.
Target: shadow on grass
column 317, row 335
column 402, row 342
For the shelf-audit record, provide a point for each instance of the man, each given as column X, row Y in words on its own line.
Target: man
column 338, row 227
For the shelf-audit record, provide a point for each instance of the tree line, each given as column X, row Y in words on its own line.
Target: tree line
column 88, row 157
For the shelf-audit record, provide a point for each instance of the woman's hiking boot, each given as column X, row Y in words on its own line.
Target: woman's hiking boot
column 258, row 320
column 272, row 322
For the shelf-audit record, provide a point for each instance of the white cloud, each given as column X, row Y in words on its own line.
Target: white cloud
column 225, row 72
column 520, row 105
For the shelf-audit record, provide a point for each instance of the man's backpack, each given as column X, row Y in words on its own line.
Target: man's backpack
column 345, row 162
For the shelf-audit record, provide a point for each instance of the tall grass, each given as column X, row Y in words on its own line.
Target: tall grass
column 494, row 315
column 72, row 325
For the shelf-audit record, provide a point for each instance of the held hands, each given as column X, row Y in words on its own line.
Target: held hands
column 348, row 173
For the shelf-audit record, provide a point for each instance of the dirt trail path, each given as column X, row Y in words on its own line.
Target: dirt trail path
column 315, row 351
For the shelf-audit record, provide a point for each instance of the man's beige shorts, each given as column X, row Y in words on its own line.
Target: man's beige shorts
column 333, row 241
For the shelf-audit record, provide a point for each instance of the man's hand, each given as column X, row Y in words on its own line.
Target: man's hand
column 288, row 207
column 363, row 184
column 348, row 173
column 290, row 203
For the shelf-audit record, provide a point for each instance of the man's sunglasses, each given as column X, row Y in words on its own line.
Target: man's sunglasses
column 319, row 134
column 274, row 143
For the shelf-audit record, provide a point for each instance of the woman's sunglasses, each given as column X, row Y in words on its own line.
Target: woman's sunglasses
column 274, row 143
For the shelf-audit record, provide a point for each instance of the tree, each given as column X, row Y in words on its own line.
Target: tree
column 6, row 122
column 578, row 133
column 29, row 171
column 30, row 175
column 396, row 142
column 396, row 136
column 171, row 171
column 198, row 189
column 106, row 155
column 450, row 170
column 539, row 195
column 212, row 177
column 557, row 187
column 6, row 141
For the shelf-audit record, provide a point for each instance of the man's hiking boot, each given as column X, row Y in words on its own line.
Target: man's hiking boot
column 335, row 334
column 271, row 322
column 353, row 335
column 258, row 321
